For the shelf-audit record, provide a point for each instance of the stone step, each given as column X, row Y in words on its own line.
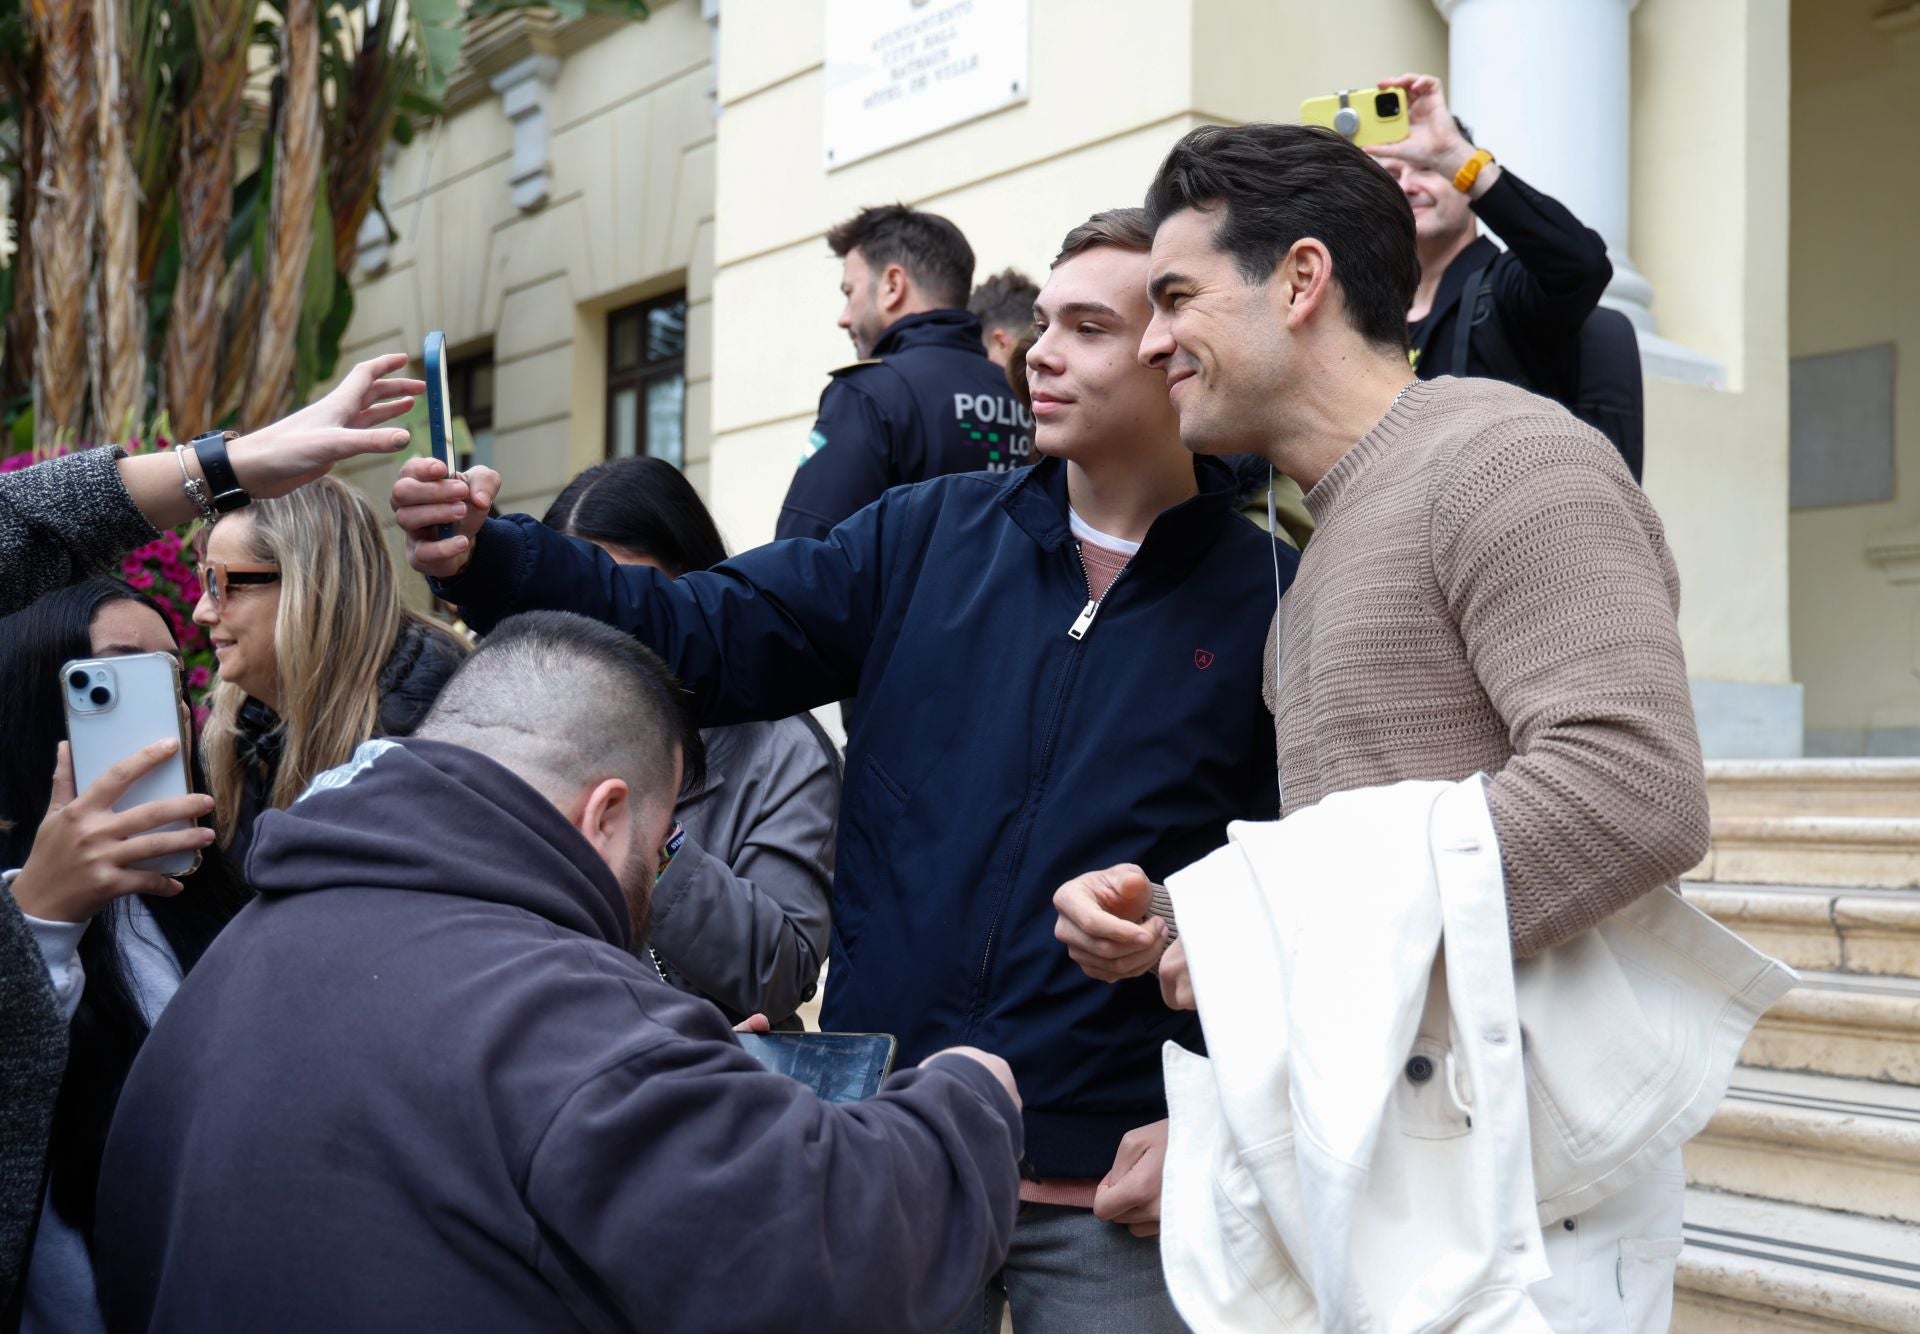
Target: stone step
column 1842, row 1024
column 1874, row 932
column 1760, row 788
column 1842, row 1144
column 1752, row 1266
column 1858, row 851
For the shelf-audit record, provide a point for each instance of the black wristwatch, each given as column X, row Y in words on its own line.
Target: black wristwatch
column 211, row 449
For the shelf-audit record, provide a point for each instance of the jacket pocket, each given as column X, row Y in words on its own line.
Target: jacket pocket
column 1427, row 1103
column 1645, row 1276
column 870, row 810
column 1250, row 1231
column 1589, row 1084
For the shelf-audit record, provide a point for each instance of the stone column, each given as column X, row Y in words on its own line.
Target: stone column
column 1546, row 85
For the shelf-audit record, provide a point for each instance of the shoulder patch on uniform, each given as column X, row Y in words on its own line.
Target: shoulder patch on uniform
column 816, row 441
column 856, row 365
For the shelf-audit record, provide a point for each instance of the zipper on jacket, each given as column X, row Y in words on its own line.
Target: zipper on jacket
column 1076, row 633
column 1084, row 621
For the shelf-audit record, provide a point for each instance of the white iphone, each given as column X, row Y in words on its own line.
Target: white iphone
column 117, row 706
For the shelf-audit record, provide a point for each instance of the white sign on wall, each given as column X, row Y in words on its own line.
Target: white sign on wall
column 899, row 70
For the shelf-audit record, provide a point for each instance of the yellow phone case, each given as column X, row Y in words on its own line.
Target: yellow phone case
column 1364, row 115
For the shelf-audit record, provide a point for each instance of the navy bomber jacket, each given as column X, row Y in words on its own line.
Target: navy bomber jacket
column 997, row 755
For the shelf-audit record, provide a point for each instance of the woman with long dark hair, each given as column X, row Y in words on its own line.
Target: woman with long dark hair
column 114, row 957
column 741, row 911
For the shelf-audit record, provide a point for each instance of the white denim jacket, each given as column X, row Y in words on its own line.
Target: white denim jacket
column 1383, row 1126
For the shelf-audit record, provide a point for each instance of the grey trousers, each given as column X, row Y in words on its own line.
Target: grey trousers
column 1071, row 1273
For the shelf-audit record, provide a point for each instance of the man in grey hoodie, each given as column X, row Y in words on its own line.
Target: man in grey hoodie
column 422, row 1082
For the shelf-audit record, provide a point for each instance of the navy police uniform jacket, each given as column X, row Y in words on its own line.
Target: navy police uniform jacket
column 998, row 756
column 928, row 403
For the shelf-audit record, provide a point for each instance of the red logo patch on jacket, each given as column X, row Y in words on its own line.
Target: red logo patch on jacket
column 1203, row 658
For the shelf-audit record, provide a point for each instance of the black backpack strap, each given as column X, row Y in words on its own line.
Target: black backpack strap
column 1463, row 316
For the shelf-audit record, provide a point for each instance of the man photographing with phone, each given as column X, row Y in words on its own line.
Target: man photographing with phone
column 1517, row 314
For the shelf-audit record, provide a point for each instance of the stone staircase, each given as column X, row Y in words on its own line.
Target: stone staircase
column 1803, row 1202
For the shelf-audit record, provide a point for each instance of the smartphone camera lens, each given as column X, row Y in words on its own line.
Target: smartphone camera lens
column 78, row 680
column 100, row 695
column 1386, row 105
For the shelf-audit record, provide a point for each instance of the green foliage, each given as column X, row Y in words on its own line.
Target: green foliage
column 314, row 353
column 385, row 68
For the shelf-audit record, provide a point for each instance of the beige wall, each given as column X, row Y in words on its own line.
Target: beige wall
column 1114, row 84
column 1709, row 230
column 1856, row 282
column 650, row 191
column 629, row 214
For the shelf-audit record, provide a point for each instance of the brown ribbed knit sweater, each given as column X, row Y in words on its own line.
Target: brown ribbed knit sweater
column 1487, row 590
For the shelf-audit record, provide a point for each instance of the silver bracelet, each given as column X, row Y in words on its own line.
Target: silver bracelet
column 195, row 491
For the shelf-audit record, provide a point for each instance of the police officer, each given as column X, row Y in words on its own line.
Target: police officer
column 923, row 399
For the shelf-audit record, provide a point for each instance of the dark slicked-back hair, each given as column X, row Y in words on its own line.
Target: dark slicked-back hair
column 931, row 249
column 1121, row 228
column 1272, row 185
column 1005, row 301
column 642, row 505
column 564, row 702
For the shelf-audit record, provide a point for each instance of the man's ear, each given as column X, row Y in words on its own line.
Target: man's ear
column 606, row 821
column 1303, row 282
column 1000, row 341
column 894, row 288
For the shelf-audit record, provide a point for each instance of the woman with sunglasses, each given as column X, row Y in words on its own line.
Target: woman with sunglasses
column 316, row 651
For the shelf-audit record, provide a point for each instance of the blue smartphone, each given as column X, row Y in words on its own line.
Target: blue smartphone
column 838, row 1067
column 440, row 410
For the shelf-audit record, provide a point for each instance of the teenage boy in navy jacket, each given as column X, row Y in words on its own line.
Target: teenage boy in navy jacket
column 1035, row 694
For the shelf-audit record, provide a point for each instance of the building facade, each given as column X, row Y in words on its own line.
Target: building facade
column 620, row 228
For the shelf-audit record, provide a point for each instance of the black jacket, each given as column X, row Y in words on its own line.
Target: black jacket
column 411, row 680
column 928, row 403
column 1544, row 285
column 998, row 753
column 421, row 1083
column 33, row 1055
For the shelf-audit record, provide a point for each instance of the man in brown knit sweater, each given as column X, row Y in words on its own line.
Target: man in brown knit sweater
column 1487, row 590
